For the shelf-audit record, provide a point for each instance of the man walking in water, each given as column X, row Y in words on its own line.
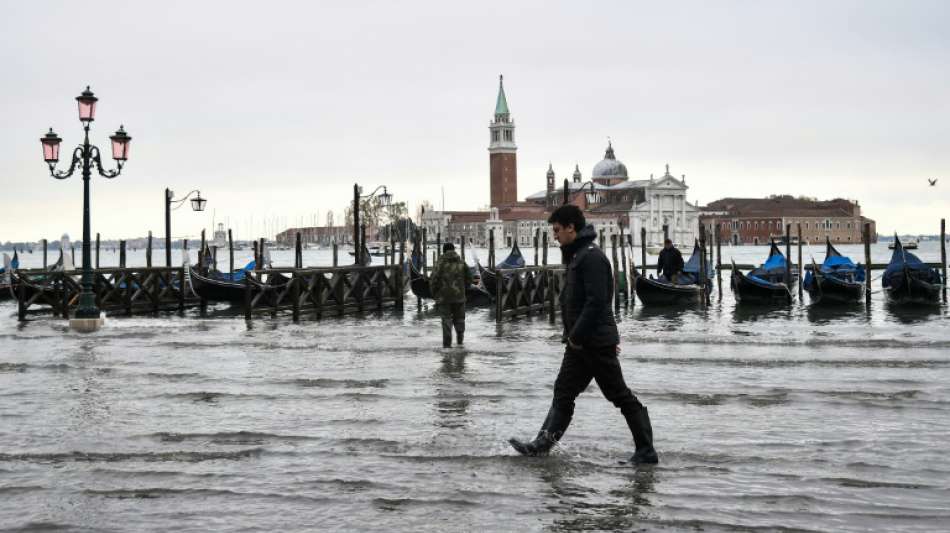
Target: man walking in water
column 448, row 282
column 590, row 333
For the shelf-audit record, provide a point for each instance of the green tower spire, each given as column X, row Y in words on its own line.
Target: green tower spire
column 501, row 106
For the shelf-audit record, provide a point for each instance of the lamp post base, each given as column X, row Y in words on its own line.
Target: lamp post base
column 86, row 325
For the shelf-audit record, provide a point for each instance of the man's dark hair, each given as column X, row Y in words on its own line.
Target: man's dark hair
column 568, row 215
column 448, row 247
column 667, row 241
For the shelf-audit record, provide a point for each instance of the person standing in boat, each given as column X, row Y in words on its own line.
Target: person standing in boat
column 670, row 263
column 448, row 282
column 592, row 339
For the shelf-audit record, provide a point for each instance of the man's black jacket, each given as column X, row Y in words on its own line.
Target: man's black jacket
column 669, row 263
column 588, row 293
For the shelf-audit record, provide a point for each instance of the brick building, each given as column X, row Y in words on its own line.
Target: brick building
column 760, row 220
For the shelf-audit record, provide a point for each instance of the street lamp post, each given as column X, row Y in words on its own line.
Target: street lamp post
column 197, row 204
column 87, row 317
column 592, row 196
column 385, row 199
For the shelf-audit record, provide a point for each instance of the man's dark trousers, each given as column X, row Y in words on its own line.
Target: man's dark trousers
column 579, row 366
column 453, row 314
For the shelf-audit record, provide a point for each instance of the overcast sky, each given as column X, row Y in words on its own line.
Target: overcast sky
column 274, row 109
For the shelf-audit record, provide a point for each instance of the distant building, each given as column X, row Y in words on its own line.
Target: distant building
column 759, row 220
column 650, row 204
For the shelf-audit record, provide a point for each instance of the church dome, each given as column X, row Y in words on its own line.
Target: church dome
column 609, row 167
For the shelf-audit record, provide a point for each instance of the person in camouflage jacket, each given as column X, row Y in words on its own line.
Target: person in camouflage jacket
column 449, row 281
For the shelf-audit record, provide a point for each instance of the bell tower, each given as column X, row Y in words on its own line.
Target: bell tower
column 502, row 153
column 550, row 190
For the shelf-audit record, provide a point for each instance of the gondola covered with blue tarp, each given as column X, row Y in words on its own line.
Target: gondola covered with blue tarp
column 766, row 284
column 907, row 280
column 836, row 280
column 221, row 286
column 685, row 289
column 488, row 276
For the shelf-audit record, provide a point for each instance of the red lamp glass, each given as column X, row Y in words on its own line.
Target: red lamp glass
column 51, row 146
column 87, row 105
column 120, row 145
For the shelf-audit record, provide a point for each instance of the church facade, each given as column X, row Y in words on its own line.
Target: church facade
column 611, row 201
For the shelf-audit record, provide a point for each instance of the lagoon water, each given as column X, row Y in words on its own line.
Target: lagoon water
column 796, row 418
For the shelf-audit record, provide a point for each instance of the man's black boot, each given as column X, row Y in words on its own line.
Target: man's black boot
column 552, row 430
column 638, row 420
column 459, row 333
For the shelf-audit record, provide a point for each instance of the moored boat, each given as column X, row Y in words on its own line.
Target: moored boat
column 907, row 280
column 765, row 284
column 836, row 280
column 489, row 276
column 685, row 289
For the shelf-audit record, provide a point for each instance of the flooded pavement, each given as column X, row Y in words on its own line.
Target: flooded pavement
column 796, row 418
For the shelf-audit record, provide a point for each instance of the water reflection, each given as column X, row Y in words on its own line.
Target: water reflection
column 854, row 312
column 912, row 314
column 452, row 402
column 621, row 509
column 749, row 313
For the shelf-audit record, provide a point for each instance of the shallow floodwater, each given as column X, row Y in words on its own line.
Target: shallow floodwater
column 797, row 418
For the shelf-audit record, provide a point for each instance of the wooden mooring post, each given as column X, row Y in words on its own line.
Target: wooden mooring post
column 298, row 253
column 97, row 250
column 623, row 267
column 600, row 239
column 230, row 255
column 536, row 246
column 666, row 233
column 616, row 270
column 643, row 252
column 943, row 256
column 632, row 278
column 425, row 250
column 438, row 245
column 866, row 237
column 45, row 248
column 719, row 259
column 121, row 254
column 336, row 254
column 703, row 289
column 788, row 260
column 491, row 248
column 801, row 266
column 544, row 248
column 148, row 251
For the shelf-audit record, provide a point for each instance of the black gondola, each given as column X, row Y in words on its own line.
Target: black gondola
column 222, row 287
column 765, row 284
column 685, row 289
column 907, row 280
column 488, row 276
column 837, row 280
